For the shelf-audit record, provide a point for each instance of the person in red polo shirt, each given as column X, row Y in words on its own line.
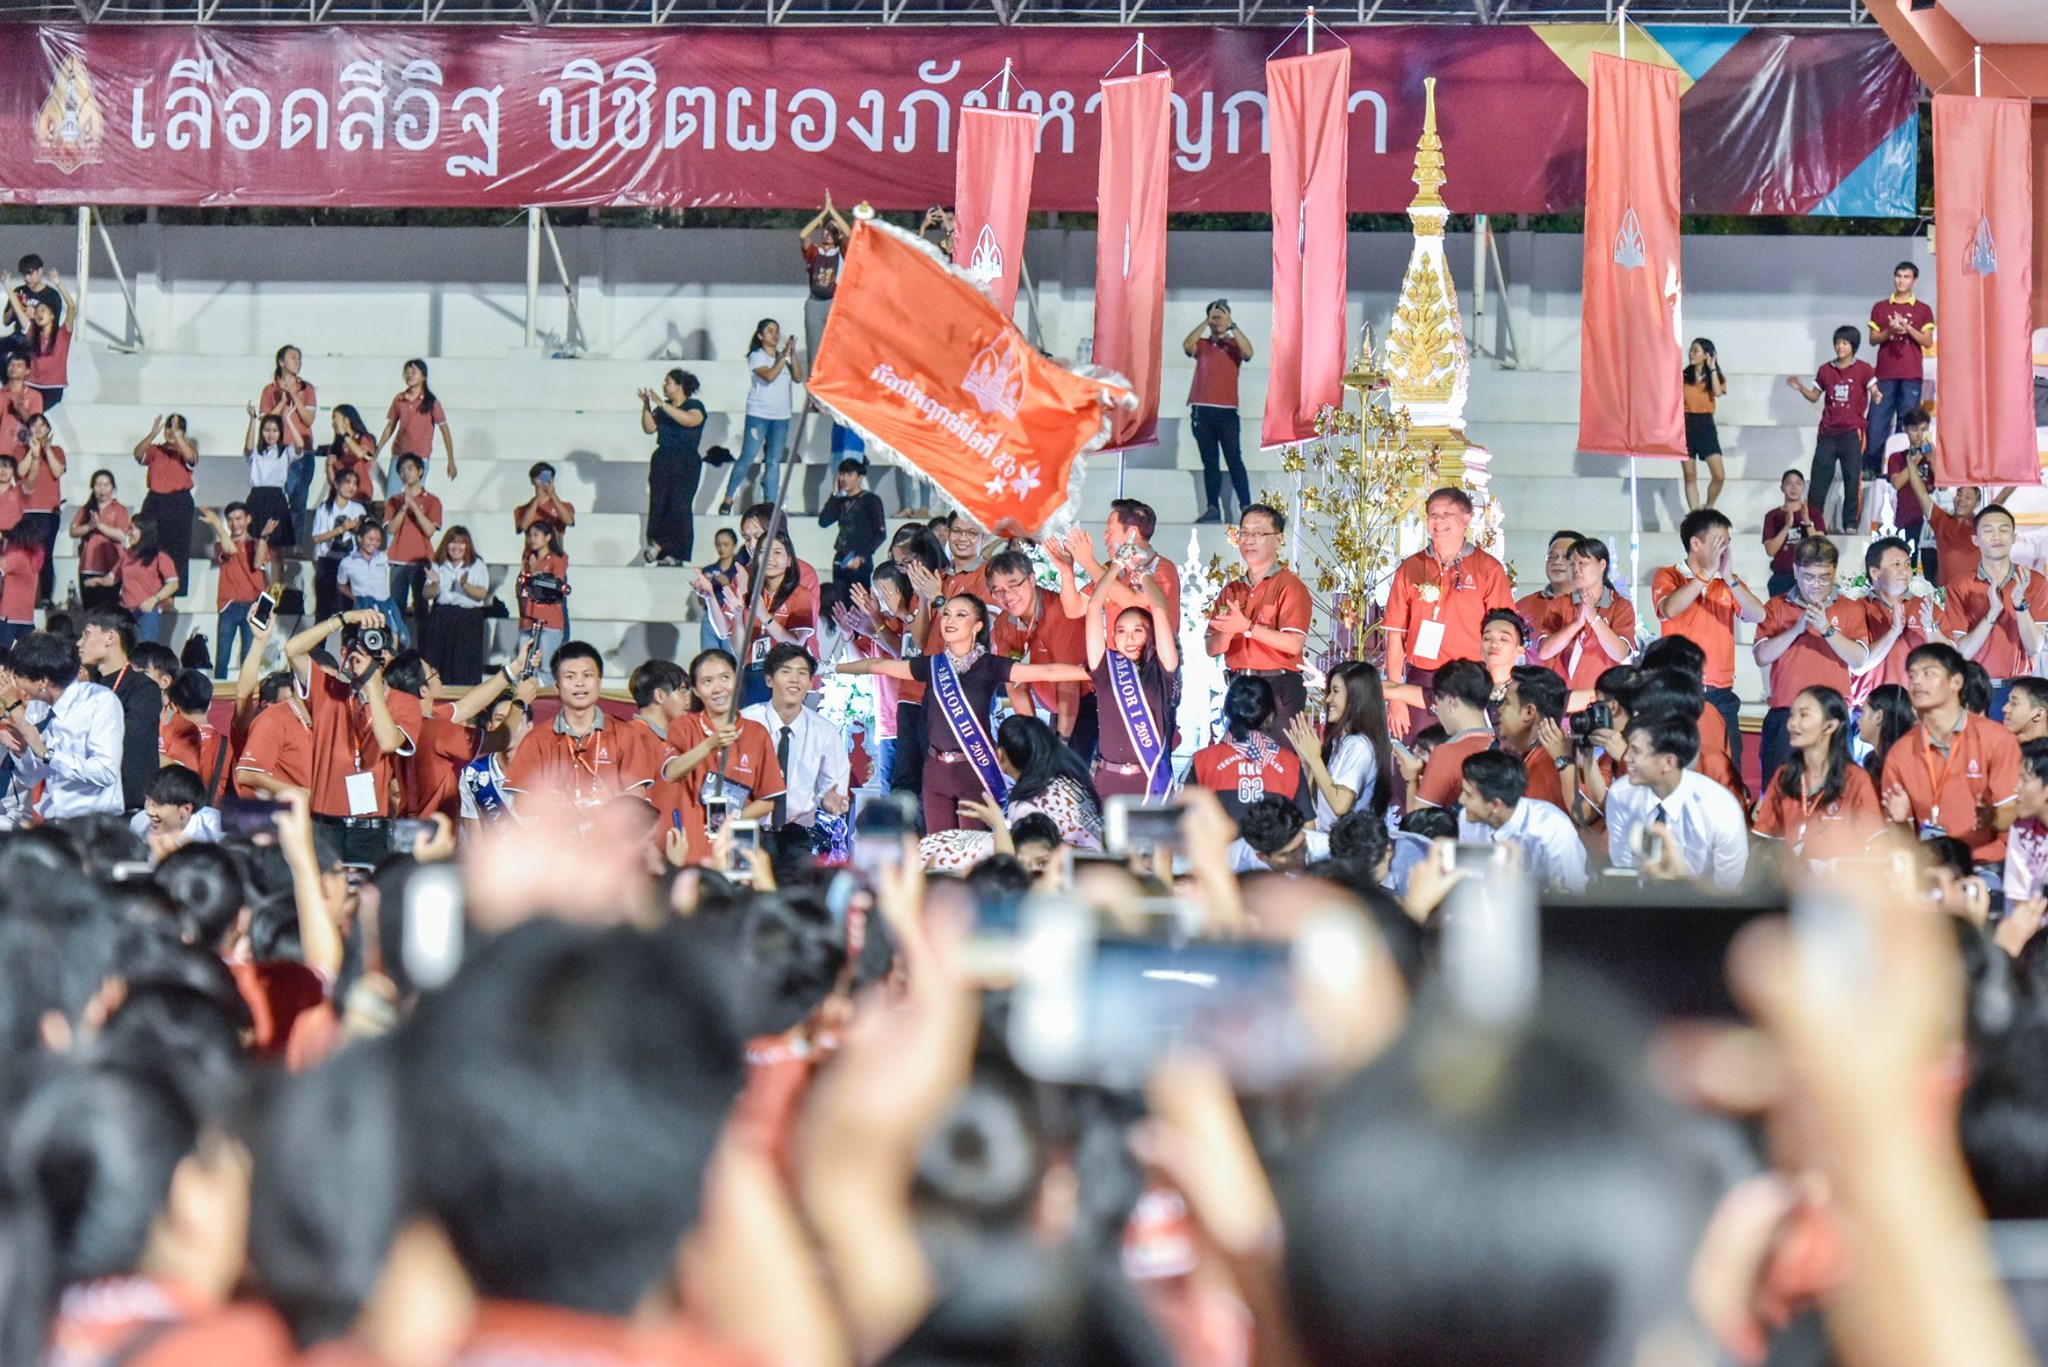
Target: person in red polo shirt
column 243, row 564
column 1955, row 556
column 1463, row 691
column 583, row 755
column 1821, row 803
column 277, row 758
column 1700, row 598
column 1810, row 637
column 1535, row 696
column 356, row 741
column 1260, row 623
column 1032, row 627
column 1220, row 349
column 1993, row 617
column 1901, row 328
column 1894, row 622
column 1957, row 773
column 1440, row 597
column 1844, row 389
column 724, row 764
column 1127, row 537
column 1557, row 578
column 168, row 455
column 1587, row 633
column 412, row 519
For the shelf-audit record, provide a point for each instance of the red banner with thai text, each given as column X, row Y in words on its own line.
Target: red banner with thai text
column 1130, row 243
column 920, row 363
column 1774, row 121
column 992, row 198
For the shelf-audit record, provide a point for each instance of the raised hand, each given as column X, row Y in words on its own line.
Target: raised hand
column 1898, row 807
column 1301, row 734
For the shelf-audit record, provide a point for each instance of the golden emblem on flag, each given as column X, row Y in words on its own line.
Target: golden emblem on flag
column 70, row 129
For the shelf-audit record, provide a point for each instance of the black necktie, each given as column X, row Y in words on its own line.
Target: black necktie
column 1658, row 817
column 781, row 815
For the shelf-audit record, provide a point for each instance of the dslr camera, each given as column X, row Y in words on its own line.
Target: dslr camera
column 1598, row 716
column 374, row 641
column 543, row 588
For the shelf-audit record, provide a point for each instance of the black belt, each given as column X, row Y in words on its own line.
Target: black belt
column 355, row 823
column 1265, row 673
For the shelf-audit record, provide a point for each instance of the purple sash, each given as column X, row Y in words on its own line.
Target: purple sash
column 968, row 730
column 1136, row 710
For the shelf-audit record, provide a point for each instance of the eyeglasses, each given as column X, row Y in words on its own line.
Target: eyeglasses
column 1243, row 535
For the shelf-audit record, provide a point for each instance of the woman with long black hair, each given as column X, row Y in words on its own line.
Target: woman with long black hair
column 272, row 459
column 293, row 401
column 675, row 419
column 335, row 524
column 787, row 613
column 1354, row 757
column 168, row 453
column 1588, row 632
column 774, row 369
column 100, row 527
column 414, row 416
column 963, row 678
column 1887, row 717
column 1046, row 778
column 1702, row 383
column 353, row 449
column 456, row 632
column 1819, row 802
column 147, row 578
column 1132, row 665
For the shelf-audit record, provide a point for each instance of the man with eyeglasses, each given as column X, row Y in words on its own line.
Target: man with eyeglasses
column 1557, row 578
column 1260, row 622
column 1440, row 597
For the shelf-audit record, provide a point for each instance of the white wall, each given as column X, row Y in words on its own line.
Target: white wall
column 1769, row 303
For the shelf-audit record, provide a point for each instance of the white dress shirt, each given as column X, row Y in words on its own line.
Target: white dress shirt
column 203, row 829
column 81, row 771
column 1703, row 817
column 820, row 759
column 366, row 577
column 451, row 578
column 1552, row 853
column 1354, row 766
column 1245, row 859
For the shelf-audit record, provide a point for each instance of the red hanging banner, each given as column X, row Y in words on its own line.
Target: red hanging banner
column 1630, row 396
column 1983, row 270
column 1305, row 104
column 919, row 362
column 991, row 195
column 1130, row 243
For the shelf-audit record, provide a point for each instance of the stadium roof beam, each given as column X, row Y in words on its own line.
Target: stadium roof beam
column 1263, row 13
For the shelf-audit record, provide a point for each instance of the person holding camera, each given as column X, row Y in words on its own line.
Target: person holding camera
column 545, row 505
column 335, row 524
column 364, row 577
column 1219, row 349
column 355, row 740
column 774, row 370
column 543, row 592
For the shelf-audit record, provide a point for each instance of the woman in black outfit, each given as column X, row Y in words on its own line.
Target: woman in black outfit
column 676, row 420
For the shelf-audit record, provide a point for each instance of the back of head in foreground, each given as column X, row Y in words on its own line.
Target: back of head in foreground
column 561, row 1099
column 1521, row 1200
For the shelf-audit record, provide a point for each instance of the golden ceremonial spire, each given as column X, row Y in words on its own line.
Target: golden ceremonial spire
column 1429, row 159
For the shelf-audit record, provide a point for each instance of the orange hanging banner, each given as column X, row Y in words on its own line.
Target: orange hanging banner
column 1983, row 271
column 1306, row 103
column 922, row 365
column 991, row 196
column 1130, row 243
column 1630, row 394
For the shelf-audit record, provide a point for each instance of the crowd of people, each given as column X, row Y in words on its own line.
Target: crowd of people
column 369, row 1006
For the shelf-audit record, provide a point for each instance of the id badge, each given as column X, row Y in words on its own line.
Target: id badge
column 1931, row 831
column 760, row 649
column 1429, row 639
column 362, row 794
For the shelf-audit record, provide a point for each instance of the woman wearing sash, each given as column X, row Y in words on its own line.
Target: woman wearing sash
column 1046, row 779
column 1132, row 665
column 963, row 679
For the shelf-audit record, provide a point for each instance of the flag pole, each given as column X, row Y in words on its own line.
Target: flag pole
column 1141, row 54
column 1003, row 99
column 1977, row 71
column 1311, row 22
column 1622, row 15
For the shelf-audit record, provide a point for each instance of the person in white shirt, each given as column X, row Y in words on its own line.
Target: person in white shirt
column 1274, row 834
column 63, row 734
column 1699, row 822
column 817, row 767
column 365, row 577
column 176, row 812
column 1493, row 810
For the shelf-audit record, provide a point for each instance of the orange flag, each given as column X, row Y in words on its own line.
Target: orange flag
column 924, row 367
column 1983, row 270
column 1306, row 102
column 991, row 195
column 1130, row 242
column 1630, row 399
